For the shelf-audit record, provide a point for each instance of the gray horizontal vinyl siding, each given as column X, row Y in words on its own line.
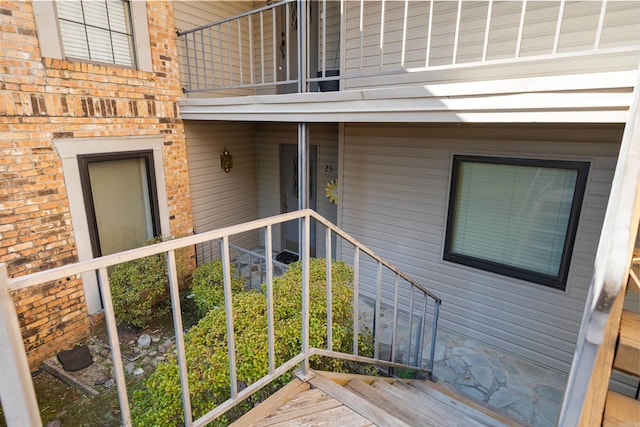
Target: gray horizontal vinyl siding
column 395, row 195
column 222, row 199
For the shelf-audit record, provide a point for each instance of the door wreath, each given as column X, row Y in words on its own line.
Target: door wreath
column 331, row 191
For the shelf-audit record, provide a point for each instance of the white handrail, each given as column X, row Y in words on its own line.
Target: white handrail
column 169, row 247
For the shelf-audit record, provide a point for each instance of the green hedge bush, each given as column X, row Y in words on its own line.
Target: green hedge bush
column 136, row 289
column 207, row 285
column 140, row 288
column 159, row 402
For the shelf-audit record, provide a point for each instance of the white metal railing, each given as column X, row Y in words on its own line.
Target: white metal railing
column 16, row 389
column 369, row 38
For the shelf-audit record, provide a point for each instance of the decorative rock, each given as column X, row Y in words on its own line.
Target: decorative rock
column 100, row 380
column 129, row 368
column 152, row 353
column 149, row 369
column 138, row 371
column 54, row 423
column 155, row 338
column 104, row 353
column 109, row 383
column 144, row 341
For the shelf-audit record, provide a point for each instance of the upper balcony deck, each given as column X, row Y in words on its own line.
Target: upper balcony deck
column 413, row 60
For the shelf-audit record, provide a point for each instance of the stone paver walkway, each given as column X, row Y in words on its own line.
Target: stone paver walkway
column 519, row 388
column 513, row 386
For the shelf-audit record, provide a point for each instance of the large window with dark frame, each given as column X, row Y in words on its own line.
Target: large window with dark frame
column 97, row 30
column 516, row 217
column 120, row 196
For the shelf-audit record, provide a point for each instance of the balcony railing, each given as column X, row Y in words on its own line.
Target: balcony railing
column 260, row 50
column 386, row 283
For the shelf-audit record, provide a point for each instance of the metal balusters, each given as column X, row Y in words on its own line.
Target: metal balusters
column 395, row 318
column 268, row 238
column 204, row 62
column 274, row 50
column 114, row 343
column 603, row 12
column 556, row 39
column 174, row 292
column 306, row 238
column 376, row 312
column 434, row 329
column 356, row 291
column 487, row 31
column 261, row 46
column 228, row 309
column 523, row 15
column 410, row 324
column 422, row 331
column 240, row 52
column 456, row 38
column 404, row 33
column 430, row 31
column 329, row 285
column 251, row 71
column 381, row 46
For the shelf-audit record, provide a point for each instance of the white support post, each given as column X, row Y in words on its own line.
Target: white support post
column 16, row 388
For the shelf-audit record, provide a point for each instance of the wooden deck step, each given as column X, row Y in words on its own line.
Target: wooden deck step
column 462, row 404
column 353, row 400
column 627, row 357
column 620, row 410
column 401, row 409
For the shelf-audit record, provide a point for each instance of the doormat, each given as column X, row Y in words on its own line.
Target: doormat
column 75, row 359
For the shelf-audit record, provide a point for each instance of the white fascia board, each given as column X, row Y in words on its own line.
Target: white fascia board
column 600, row 97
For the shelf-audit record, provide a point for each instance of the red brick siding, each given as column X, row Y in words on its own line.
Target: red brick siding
column 42, row 99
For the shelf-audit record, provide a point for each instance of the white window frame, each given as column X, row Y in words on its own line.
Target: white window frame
column 50, row 37
column 69, row 149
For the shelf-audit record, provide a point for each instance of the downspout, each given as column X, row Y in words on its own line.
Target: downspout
column 303, row 185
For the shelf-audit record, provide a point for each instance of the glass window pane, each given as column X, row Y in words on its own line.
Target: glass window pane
column 75, row 40
column 97, row 30
column 95, row 13
column 122, row 204
column 512, row 213
column 99, row 45
column 70, row 10
column 118, row 20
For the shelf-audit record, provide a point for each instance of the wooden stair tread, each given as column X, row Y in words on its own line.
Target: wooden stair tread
column 375, row 414
column 457, row 401
column 427, row 405
column 272, row 403
column 400, row 409
column 620, row 410
column 627, row 357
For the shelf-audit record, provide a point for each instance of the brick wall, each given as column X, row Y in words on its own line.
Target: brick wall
column 42, row 99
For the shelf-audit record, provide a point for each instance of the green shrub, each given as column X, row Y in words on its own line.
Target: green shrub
column 139, row 288
column 136, row 288
column 207, row 286
column 159, row 403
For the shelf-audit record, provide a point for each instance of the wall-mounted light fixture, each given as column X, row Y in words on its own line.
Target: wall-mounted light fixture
column 226, row 161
